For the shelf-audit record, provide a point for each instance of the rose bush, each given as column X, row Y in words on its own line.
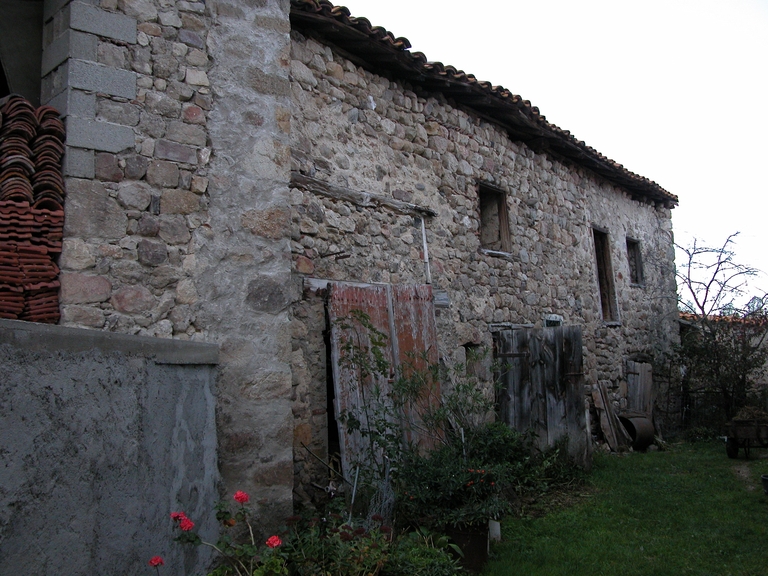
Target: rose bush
column 239, row 556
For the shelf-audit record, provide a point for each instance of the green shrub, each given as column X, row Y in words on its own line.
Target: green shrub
column 328, row 545
column 422, row 553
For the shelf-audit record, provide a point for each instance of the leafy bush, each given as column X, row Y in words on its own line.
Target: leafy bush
column 330, row 546
column 441, row 488
column 699, row 433
column 422, row 553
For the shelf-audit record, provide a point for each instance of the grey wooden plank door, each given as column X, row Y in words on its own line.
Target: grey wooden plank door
column 542, row 387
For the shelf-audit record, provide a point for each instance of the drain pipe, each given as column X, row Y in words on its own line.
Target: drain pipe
column 426, row 251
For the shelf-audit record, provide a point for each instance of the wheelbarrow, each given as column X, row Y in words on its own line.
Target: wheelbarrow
column 745, row 434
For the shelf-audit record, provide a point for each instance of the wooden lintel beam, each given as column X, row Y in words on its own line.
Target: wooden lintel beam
column 364, row 199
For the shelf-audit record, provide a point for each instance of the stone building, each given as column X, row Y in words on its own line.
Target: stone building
column 228, row 161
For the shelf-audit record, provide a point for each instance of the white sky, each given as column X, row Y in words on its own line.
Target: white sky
column 675, row 90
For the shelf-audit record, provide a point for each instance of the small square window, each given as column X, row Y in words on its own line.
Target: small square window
column 494, row 221
column 635, row 262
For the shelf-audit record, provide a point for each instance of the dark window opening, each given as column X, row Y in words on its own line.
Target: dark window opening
column 475, row 365
column 635, row 262
column 494, row 220
column 4, row 90
column 605, row 277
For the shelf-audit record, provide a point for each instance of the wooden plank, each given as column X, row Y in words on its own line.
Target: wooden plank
column 353, row 393
column 537, row 399
column 554, row 386
column 523, row 396
column 606, row 422
column 416, row 346
column 640, row 387
column 364, row 199
column 579, row 443
column 646, row 388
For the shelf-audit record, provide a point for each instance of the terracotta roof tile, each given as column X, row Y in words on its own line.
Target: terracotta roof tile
column 377, row 49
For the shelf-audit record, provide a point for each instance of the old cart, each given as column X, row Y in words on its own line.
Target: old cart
column 745, row 434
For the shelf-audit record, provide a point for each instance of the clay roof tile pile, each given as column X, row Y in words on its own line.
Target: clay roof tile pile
column 31, row 214
column 380, row 51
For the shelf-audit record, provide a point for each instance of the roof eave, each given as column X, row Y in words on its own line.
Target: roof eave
column 381, row 52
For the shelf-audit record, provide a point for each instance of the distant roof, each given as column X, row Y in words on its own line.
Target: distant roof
column 377, row 49
column 755, row 320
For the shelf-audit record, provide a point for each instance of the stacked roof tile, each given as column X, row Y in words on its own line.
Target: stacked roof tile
column 375, row 48
column 31, row 214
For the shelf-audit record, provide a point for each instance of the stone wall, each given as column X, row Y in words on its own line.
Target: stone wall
column 181, row 223
column 177, row 214
column 103, row 436
column 365, row 133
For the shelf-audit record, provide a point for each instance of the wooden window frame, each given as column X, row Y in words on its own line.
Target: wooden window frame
column 635, row 261
column 492, row 207
column 609, row 305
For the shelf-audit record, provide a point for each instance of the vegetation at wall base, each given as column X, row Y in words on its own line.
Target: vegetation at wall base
column 687, row 510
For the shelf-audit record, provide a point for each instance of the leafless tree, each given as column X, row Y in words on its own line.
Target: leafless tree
column 723, row 341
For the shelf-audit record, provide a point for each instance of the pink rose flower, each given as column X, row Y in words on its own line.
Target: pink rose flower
column 156, row 561
column 274, row 541
column 241, row 497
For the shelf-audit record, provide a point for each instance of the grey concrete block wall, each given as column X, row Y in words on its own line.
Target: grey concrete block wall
column 102, row 436
column 71, row 44
column 97, row 21
column 91, row 134
column 73, row 73
column 98, row 78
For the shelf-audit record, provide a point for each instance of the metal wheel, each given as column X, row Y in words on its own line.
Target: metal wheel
column 732, row 447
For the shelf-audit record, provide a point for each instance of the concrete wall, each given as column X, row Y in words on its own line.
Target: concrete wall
column 102, row 436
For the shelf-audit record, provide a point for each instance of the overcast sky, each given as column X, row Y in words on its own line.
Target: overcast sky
column 674, row 90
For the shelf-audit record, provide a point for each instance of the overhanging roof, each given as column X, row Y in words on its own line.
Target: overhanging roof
column 378, row 50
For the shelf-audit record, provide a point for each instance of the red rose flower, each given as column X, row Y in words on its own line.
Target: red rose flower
column 241, row 497
column 186, row 524
column 156, row 561
column 274, row 541
column 178, row 516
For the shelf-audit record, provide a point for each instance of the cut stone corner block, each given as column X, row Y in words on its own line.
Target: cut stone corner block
column 95, row 135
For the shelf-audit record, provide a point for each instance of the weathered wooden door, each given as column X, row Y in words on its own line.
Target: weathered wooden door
column 640, row 387
column 543, row 385
column 405, row 315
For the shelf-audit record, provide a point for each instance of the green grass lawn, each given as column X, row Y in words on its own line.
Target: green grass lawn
column 686, row 510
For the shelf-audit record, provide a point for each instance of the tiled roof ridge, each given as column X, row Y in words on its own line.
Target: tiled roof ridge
column 571, row 147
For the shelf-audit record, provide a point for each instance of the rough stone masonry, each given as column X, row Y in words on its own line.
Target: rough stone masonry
column 184, row 122
column 371, row 134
